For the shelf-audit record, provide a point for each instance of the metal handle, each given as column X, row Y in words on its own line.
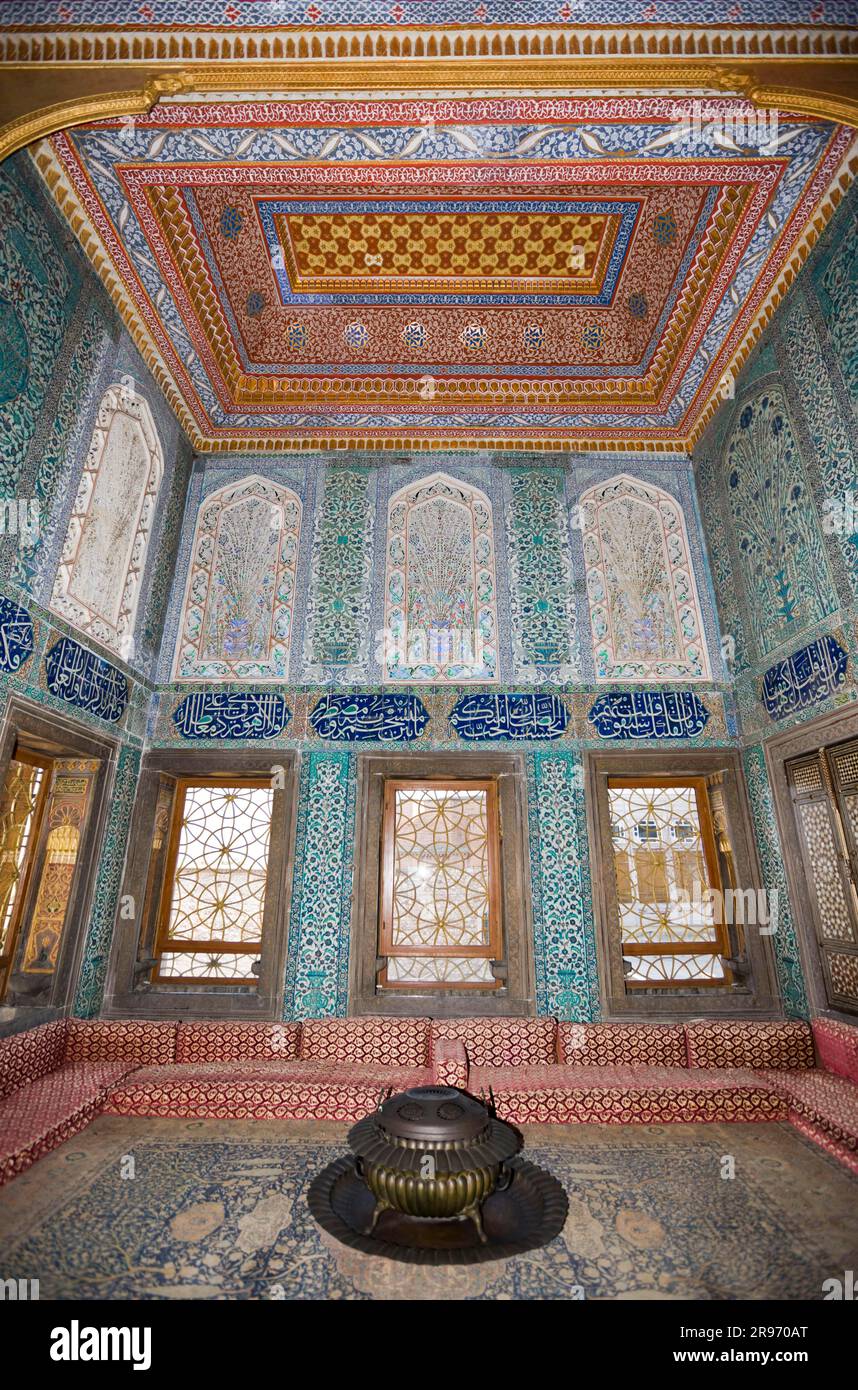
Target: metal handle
column 505, row 1177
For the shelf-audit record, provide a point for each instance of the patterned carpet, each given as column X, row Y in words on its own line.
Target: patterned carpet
column 217, row 1211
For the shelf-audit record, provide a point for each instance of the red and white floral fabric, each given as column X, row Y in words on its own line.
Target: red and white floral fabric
column 260, row 1069
column 141, row 1042
column 44, row 1113
column 25, row 1057
column 625, row 1095
column 837, row 1045
column 825, row 1099
column 298, row 1090
column 450, row 1063
column 621, row 1044
column 501, row 1042
column 236, row 1042
column 819, row 1135
column 246, row 1100
column 394, row 1042
column 741, row 1043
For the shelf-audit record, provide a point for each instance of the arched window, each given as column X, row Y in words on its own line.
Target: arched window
column 644, row 609
column 97, row 586
column 440, row 615
column 237, row 615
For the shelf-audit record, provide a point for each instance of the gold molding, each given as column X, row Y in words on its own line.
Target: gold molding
column 823, row 88
column 47, row 120
column 506, row 40
column 823, row 93
column 825, row 209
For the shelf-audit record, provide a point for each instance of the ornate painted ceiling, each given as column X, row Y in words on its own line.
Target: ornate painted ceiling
column 459, row 270
column 427, row 266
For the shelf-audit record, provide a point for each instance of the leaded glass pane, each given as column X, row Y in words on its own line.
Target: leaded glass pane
column 441, row 867
column 439, row 970
column 17, row 813
column 225, row 966
column 222, row 865
column 670, row 969
column 663, row 885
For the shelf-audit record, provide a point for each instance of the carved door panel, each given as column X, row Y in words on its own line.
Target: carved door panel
column 824, row 790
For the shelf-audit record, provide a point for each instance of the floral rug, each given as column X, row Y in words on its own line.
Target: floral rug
column 167, row 1209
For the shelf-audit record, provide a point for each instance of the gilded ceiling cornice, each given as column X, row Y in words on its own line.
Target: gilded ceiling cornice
column 823, row 213
column 823, row 87
column 818, row 87
column 319, row 41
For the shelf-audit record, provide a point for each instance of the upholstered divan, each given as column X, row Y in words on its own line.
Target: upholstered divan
column 325, row 1069
column 618, row 1073
column 55, row 1079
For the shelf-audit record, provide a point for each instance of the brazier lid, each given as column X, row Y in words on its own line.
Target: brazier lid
column 433, row 1114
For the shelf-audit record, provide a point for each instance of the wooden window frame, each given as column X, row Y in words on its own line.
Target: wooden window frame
column 825, row 731
column 29, row 727
column 130, row 991
column 830, row 796
column 515, row 995
column 494, row 949
column 758, row 994
column 163, row 941
column 25, row 882
column 721, row 946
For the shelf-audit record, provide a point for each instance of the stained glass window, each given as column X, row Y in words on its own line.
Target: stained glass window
column 98, row 582
column 440, row 607
column 645, row 614
column 668, row 886
column 240, row 594
column 440, row 899
column 212, row 912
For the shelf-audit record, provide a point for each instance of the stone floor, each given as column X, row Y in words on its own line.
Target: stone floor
column 205, row 1209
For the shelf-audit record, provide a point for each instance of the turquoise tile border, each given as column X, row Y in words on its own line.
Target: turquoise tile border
column 318, row 955
column 567, row 981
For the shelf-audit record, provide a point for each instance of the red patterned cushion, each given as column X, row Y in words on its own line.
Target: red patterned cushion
column 618, row 1044
column 837, row 1045
column 501, row 1042
column 820, row 1096
column 123, row 1040
column 819, row 1135
column 235, row 1042
column 246, row 1101
column 395, row 1042
column 314, row 1069
column 184, row 1091
column 625, row 1095
column 741, row 1043
column 44, row 1113
column 27, row 1056
column 450, row 1064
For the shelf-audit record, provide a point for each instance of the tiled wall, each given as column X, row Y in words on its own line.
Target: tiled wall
column 789, row 435
column 542, row 606
column 777, row 481
column 63, row 345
